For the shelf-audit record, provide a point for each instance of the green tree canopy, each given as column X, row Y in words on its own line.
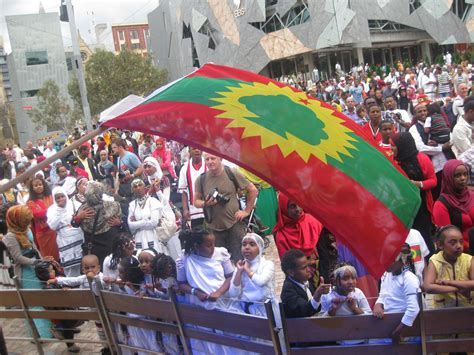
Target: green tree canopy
column 110, row 78
column 53, row 111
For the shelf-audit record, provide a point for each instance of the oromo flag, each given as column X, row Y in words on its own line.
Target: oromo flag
column 300, row 145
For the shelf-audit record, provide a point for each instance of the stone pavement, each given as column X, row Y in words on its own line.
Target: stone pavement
column 17, row 327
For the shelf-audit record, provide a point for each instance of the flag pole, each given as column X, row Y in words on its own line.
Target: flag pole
column 31, row 171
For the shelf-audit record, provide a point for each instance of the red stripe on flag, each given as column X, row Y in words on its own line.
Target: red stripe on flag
column 194, row 124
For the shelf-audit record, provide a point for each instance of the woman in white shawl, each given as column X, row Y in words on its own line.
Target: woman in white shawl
column 160, row 189
column 253, row 281
column 69, row 238
column 144, row 214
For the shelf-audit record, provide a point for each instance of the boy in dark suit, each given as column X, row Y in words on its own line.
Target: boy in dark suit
column 299, row 297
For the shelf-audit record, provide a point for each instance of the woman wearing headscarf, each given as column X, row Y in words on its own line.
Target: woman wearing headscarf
column 253, row 281
column 160, row 189
column 456, row 203
column 100, row 220
column 39, row 202
column 419, row 169
column 295, row 229
column 69, row 238
column 163, row 155
column 78, row 197
column 144, row 214
column 20, row 245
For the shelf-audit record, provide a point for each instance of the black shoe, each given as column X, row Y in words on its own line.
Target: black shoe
column 105, row 351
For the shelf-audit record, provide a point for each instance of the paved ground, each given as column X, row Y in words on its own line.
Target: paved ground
column 17, row 328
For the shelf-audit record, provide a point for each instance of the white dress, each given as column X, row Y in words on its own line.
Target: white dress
column 208, row 275
column 69, row 239
column 143, row 220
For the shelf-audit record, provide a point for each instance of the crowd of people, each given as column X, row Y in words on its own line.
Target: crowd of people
column 140, row 214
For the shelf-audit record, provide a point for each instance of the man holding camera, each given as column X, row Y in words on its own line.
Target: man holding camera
column 216, row 191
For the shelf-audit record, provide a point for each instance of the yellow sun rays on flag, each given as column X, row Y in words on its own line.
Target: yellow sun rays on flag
column 338, row 140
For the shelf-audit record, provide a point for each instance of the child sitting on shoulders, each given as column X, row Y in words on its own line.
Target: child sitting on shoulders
column 449, row 275
column 299, row 297
column 436, row 126
column 398, row 292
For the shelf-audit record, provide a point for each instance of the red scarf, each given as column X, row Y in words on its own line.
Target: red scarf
column 461, row 200
column 302, row 234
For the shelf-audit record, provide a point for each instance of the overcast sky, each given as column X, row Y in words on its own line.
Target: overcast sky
column 87, row 12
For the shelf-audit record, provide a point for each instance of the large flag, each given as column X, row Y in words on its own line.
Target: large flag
column 300, row 145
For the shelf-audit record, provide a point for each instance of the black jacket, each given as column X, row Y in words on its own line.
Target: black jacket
column 295, row 300
column 92, row 168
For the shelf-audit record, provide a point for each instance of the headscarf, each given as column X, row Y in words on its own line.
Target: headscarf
column 161, row 153
column 302, row 234
column 261, row 247
column 9, row 195
column 107, row 209
column 462, row 200
column 18, row 221
column 59, row 216
column 159, row 173
column 407, row 155
column 80, row 197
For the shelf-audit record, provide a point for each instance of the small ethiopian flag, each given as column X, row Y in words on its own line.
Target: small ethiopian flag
column 416, row 253
column 317, row 156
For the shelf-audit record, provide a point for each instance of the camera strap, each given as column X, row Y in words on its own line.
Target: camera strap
column 230, row 175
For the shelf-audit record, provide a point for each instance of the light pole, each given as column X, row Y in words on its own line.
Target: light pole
column 79, row 67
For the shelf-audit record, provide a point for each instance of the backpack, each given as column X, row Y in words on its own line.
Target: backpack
column 230, row 175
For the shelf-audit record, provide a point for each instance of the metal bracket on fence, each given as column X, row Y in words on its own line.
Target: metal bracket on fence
column 180, row 324
column 34, row 330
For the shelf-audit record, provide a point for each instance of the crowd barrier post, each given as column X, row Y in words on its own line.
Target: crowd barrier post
column 422, row 323
column 106, row 325
column 174, row 304
column 31, row 323
column 273, row 328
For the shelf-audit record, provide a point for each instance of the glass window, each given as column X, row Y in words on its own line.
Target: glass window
column 134, row 34
column 123, row 47
column 35, row 58
column 69, row 64
column 121, row 35
column 28, row 93
column 135, row 45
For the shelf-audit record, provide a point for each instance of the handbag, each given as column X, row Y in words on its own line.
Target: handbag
column 167, row 226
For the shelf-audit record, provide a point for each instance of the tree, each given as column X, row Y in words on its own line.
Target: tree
column 53, row 110
column 109, row 78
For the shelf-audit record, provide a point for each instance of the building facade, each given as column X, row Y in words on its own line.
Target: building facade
column 282, row 37
column 7, row 116
column 37, row 56
column 132, row 37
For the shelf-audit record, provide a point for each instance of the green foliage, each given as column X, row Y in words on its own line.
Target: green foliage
column 53, row 110
column 439, row 59
column 469, row 56
column 457, row 59
column 110, row 78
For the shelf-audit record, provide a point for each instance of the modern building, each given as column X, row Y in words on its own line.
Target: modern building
column 7, row 117
column 282, row 37
column 37, row 56
column 132, row 37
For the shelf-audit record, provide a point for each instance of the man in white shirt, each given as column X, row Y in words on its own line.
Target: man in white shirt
column 429, row 84
column 49, row 151
column 458, row 102
column 399, row 117
column 424, row 145
column 462, row 132
column 190, row 171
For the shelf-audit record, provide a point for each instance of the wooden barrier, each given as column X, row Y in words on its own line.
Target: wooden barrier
column 443, row 330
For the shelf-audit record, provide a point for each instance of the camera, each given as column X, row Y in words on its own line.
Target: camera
column 217, row 196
